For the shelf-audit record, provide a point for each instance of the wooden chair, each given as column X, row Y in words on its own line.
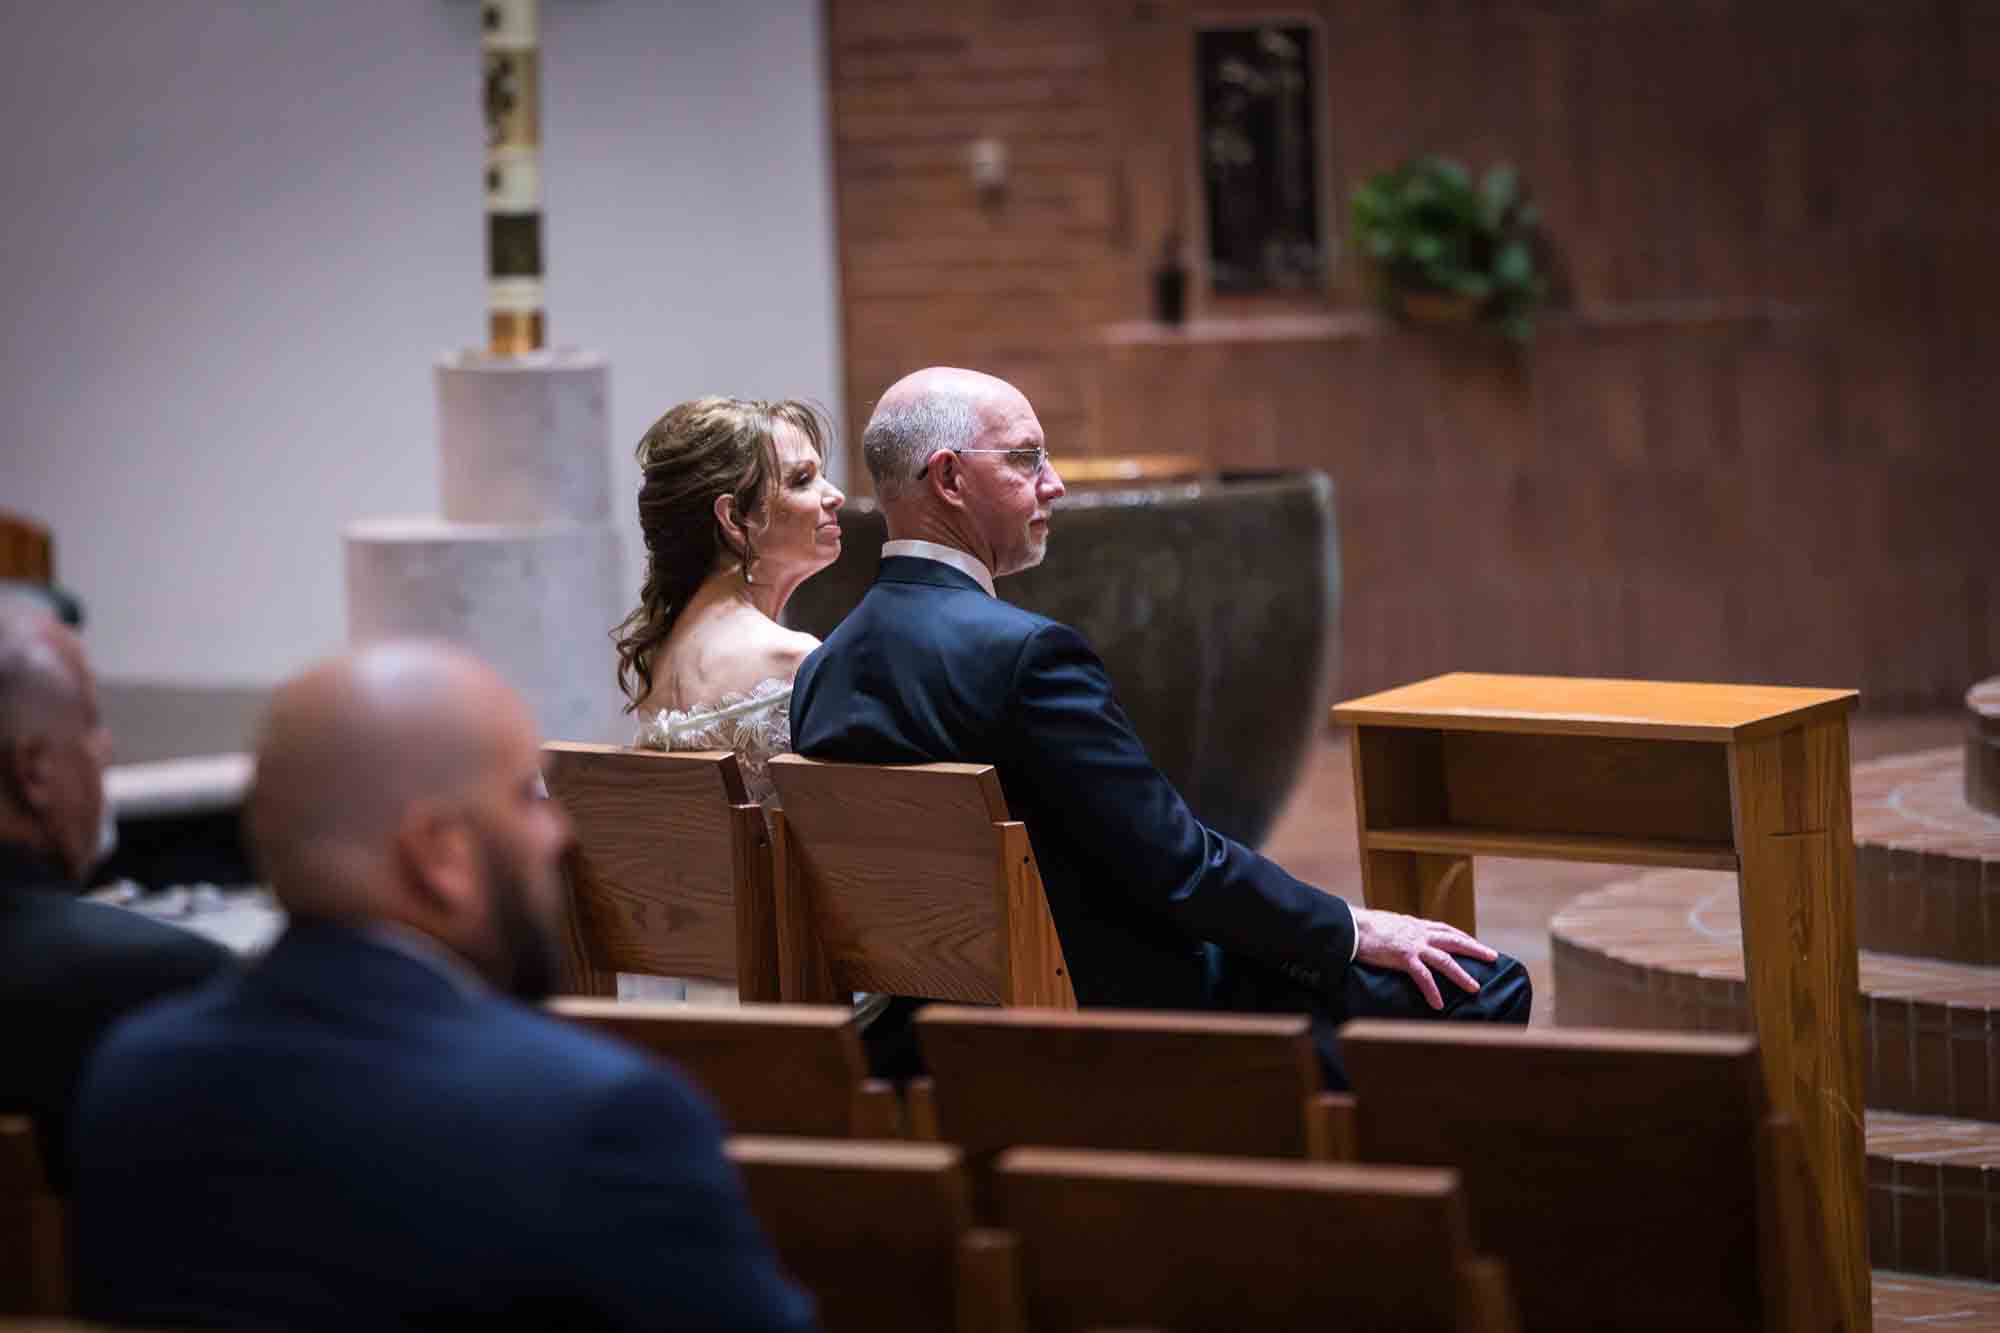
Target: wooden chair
column 34, row 1273
column 1222, row 1084
column 910, row 881
column 772, row 1068
column 1193, row 1244
column 881, row 1234
column 1628, row 1180
column 26, row 551
column 671, row 871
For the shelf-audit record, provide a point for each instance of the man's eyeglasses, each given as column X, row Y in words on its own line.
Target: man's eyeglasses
column 1027, row 462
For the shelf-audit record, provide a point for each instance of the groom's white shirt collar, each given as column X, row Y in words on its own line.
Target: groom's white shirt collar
column 970, row 565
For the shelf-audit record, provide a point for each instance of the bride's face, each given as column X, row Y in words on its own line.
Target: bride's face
column 800, row 532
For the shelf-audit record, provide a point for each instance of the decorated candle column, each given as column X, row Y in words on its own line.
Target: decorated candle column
column 512, row 77
column 522, row 567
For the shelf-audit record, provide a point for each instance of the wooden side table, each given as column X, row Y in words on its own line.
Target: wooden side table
column 1729, row 777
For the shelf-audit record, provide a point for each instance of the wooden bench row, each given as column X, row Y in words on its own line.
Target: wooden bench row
column 1622, row 1179
column 907, row 881
column 884, row 1236
column 1633, row 1179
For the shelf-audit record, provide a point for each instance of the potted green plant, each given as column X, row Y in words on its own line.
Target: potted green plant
column 1442, row 248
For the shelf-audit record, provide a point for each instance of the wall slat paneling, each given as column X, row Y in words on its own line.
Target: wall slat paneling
column 1755, row 441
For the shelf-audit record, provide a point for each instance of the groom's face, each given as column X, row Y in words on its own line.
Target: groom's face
column 1012, row 491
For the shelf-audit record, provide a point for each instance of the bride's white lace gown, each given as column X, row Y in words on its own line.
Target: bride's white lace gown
column 756, row 725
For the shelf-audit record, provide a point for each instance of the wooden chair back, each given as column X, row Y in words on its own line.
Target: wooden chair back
column 26, row 550
column 670, row 874
column 910, row 881
column 772, row 1068
column 34, row 1273
column 1628, row 1180
column 1221, row 1084
column 881, row 1234
column 1194, row 1244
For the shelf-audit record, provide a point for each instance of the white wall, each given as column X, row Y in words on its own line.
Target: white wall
column 237, row 233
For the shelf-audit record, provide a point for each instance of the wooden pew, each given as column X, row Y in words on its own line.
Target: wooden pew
column 909, row 880
column 26, row 551
column 1223, row 1084
column 881, row 1234
column 670, row 874
column 772, row 1068
column 1628, row 1180
column 1194, row 1244
column 34, row 1272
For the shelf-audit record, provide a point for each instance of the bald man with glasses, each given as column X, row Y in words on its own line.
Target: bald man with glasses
column 1154, row 909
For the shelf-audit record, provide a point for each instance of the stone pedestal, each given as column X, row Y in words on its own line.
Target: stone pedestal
column 523, row 567
column 522, row 439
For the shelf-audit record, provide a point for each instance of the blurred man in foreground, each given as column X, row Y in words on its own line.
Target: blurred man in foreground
column 371, row 1129
column 68, row 968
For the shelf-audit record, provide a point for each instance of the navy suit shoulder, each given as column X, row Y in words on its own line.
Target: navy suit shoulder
column 347, row 1136
column 69, row 968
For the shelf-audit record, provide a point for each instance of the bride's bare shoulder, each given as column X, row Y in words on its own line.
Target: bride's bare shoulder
column 782, row 651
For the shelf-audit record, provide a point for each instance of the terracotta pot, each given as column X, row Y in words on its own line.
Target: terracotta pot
column 1215, row 605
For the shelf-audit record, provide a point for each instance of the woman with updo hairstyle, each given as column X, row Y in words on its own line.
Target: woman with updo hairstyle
column 736, row 511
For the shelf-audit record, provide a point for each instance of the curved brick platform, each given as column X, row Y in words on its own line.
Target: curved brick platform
column 1926, row 864
column 1982, row 746
column 1664, row 950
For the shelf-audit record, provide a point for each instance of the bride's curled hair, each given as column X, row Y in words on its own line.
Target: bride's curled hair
column 697, row 451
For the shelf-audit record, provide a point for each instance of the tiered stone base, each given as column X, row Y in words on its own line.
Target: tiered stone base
column 1664, row 950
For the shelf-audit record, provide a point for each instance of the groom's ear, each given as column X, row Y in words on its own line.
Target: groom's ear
column 945, row 475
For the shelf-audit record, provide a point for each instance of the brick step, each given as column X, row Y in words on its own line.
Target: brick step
column 1910, row 1302
column 1926, row 861
column 1934, row 1195
column 1664, row 950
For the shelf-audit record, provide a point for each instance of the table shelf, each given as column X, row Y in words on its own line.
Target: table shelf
column 1458, row 840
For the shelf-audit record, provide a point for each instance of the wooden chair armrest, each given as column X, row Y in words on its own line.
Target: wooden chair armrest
column 989, row 1282
column 1330, row 1128
column 1486, row 1298
column 920, row 1110
column 877, row 1113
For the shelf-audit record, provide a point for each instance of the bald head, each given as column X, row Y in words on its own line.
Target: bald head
column 940, row 407
column 350, row 747
column 53, row 745
column 44, row 679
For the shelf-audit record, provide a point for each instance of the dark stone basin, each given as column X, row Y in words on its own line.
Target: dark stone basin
column 1214, row 604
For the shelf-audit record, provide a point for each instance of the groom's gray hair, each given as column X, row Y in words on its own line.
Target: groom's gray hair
column 905, row 431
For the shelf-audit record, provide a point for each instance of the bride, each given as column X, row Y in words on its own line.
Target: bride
column 737, row 511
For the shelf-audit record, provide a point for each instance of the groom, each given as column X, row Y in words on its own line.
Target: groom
column 1154, row 909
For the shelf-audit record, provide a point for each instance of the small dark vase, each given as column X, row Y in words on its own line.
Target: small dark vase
column 1170, row 292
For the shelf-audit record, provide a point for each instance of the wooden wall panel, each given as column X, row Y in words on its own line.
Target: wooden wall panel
column 1754, row 443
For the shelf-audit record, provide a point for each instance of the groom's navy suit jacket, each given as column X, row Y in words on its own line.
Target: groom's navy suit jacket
column 928, row 667
column 346, row 1136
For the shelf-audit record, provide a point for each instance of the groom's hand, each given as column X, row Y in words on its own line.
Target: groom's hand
column 1416, row 946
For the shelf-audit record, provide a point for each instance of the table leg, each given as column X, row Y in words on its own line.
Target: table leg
column 1795, row 847
column 1423, row 884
